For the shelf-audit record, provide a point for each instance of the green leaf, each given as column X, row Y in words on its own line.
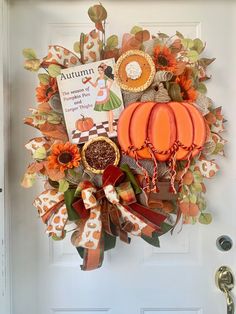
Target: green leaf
column 32, row 65
column 193, row 198
column 205, row 218
column 135, row 30
column 52, row 120
column 78, row 191
column 39, row 121
column 218, row 149
column 29, row 54
column 197, row 187
column 198, row 45
column 187, row 43
column 54, row 70
column 43, row 78
column 197, row 177
column 202, row 203
column 77, row 47
column 165, row 228
column 80, row 250
column 162, row 35
column 202, row 88
column 181, row 36
column 130, row 177
column 206, row 61
column 40, row 153
column 109, row 241
column 63, row 186
column 112, row 41
column 97, row 13
column 154, row 240
column 193, row 55
column 175, row 92
column 69, row 198
column 28, row 180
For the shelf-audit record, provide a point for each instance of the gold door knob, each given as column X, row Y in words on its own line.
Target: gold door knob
column 225, row 282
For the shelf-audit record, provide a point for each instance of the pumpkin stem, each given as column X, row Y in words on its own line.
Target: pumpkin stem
column 82, row 116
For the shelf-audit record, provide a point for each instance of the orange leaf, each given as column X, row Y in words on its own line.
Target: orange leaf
column 54, row 174
column 203, row 187
column 180, row 67
column 35, row 167
column 45, row 107
column 168, row 207
column 114, row 53
column 193, row 210
column 142, row 36
column 29, row 121
column 99, row 26
column 129, row 42
column 184, row 207
column 56, row 131
column 210, row 118
column 188, row 178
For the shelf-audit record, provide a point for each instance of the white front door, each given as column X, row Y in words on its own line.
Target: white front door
column 178, row 278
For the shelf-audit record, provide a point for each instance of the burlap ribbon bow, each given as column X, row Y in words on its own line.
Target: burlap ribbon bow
column 112, row 209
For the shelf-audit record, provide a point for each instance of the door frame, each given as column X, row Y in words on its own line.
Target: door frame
column 5, row 282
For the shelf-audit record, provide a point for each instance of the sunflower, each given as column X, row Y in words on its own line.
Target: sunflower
column 64, row 156
column 185, row 83
column 45, row 92
column 164, row 59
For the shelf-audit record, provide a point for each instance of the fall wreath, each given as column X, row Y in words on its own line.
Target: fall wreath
column 151, row 175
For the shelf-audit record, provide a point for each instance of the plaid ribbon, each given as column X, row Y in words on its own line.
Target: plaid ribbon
column 114, row 210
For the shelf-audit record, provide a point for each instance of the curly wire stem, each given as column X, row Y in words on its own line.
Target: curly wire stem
column 155, row 172
column 173, row 170
column 172, row 163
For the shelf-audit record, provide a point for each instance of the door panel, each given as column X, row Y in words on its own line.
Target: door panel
column 178, row 277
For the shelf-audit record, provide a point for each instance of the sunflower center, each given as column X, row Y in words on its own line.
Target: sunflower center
column 162, row 60
column 65, row 157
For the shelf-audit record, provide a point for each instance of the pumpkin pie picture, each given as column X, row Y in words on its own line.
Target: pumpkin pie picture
column 135, row 71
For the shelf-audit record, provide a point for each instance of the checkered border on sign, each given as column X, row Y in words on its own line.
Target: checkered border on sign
column 100, row 129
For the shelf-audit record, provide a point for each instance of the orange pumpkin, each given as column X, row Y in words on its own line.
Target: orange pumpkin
column 84, row 124
column 162, row 132
column 161, row 127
